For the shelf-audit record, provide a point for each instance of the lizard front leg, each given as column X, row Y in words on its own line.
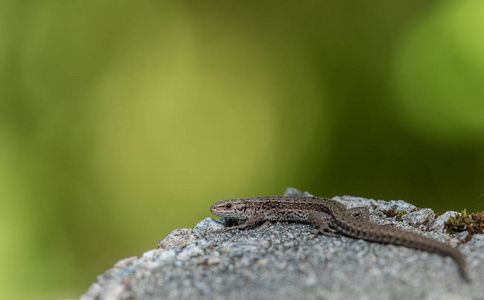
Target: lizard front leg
column 252, row 222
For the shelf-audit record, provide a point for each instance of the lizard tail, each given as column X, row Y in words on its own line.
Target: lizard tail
column 412, row 240
column 355, row 228
column 422, row 243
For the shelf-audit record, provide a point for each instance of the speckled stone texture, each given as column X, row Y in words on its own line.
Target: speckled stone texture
column 288, row 261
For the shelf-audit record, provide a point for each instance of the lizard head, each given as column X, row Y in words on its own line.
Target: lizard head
column 230, row 208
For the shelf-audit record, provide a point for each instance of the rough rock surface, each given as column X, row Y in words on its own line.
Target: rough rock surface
column 288, row 261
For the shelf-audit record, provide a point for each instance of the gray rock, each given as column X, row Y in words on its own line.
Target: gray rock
column 287, row 261
column 206, row 226
column 293, row 192
column 420, row 217
column 439, row 223
column 459, row 238
column 177, row 239
column 398, row 205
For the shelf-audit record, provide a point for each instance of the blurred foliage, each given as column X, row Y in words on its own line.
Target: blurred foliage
column 123, row 120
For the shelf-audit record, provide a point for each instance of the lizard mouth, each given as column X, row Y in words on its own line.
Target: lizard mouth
column 226, row 208
column 220, row 210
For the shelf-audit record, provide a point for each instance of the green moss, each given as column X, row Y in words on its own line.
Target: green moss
column 391, row 213
column 473, row 222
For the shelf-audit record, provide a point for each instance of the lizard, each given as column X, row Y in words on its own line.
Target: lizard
column 328, row 214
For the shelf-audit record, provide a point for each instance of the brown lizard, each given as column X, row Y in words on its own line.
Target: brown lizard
column 328, row 214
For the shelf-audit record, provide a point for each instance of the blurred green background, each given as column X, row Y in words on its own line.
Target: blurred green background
column 123, row 120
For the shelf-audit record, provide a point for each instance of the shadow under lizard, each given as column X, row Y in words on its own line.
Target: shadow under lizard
column 326, row 213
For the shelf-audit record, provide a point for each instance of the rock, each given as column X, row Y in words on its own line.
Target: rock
column 125, row 262
column 420, row 217
column 439, row 223
column 398, row 206
column 177, row 239
column 207, row 225
column 286, row 261
column 293, row 192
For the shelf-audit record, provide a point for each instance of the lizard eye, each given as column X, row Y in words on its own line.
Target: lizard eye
column 228, row 205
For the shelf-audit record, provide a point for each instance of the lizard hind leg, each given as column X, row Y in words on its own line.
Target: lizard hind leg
column 322, row 223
